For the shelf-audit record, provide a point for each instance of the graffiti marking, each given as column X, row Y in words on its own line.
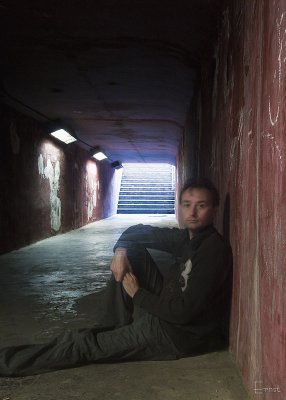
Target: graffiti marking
column 52, row 173
column 281, row 42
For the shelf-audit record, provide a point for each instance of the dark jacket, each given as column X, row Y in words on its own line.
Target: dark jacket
column 194, row 304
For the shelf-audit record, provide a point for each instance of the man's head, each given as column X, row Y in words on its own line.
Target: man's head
column 199, row 200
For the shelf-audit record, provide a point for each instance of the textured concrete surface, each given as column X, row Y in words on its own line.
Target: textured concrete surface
column 51, row 285
column 243, row 146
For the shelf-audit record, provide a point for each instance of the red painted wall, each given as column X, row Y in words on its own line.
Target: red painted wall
column 243, row 149
column 47, row 187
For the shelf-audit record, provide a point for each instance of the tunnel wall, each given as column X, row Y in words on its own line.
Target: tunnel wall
column 243, row 149
column 47, row 187
column 187, row 163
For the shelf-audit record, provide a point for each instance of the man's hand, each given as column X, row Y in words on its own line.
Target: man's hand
column 130, row 284
column 120, row 264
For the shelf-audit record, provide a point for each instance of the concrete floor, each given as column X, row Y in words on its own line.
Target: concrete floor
column 52, row 284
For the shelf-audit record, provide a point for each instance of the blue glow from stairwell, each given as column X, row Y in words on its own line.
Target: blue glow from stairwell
column 147, row 188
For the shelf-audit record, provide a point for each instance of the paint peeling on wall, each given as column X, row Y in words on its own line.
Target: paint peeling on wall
column 51, row 171
column 92, row 189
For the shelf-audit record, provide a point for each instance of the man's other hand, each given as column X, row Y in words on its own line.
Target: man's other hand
column 130, row 284
column 120, row 264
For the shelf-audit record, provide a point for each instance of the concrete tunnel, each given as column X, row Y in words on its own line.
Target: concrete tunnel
column 199, row 85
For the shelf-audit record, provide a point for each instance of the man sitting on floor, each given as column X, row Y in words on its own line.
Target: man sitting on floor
column 151, row 315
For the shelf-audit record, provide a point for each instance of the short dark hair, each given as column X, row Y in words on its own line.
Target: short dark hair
column 201, row 183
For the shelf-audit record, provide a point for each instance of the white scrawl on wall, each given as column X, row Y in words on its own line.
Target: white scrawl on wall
column 279, row 71
column 92, row 186
column 52, row 173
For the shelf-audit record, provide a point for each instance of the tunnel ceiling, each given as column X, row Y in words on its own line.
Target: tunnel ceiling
column 120, row 73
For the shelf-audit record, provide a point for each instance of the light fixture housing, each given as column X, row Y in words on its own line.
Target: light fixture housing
column 99, row 155
column 63, row 136
column 116, row 164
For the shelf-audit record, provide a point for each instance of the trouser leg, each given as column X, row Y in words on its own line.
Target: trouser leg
column 114, row 307
column 117, row 307
column 67, row 350
column 138, row 340
column 145, row 269
column 144, row 339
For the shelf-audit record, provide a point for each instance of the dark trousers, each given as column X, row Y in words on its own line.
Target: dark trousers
column 126, row 332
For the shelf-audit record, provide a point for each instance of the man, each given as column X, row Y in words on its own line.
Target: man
column 149, row 314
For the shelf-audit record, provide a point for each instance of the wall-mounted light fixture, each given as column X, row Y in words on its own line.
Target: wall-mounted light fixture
column 116, row 164
column 56, row 130
column 98, row 154
column 63, row 136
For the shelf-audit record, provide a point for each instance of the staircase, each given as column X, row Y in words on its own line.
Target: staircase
column 147, row 189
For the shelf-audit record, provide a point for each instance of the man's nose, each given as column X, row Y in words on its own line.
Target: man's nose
column 193, row 211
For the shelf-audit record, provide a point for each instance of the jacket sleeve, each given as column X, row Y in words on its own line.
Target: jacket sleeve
column 165, row 239
column 206, row 280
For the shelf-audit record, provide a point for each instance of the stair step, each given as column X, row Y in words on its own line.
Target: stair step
column 149, row 197
column 146, row 211
column 149, row 210
column 147, row 203
column 141, row 185
column 143, row 173
column 147, row 189
column 154, row 178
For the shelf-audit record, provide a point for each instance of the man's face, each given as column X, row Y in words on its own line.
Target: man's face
column 197, row 209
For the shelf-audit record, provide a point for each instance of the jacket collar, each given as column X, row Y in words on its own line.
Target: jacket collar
column 201, row 235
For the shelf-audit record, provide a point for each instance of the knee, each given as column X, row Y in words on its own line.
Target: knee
column 137, row 254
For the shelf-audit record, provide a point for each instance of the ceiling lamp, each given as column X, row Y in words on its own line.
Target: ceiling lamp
column 99, row 155
column 116, row 164
column 63, row 136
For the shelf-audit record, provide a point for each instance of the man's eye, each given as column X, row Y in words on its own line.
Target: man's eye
column 202, row 205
